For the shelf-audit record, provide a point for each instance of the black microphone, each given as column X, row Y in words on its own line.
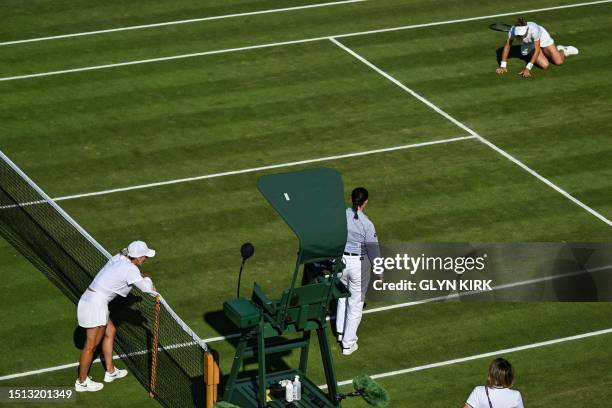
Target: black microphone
column 246, row 250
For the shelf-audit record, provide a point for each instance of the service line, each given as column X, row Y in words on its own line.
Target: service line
column 262, row 168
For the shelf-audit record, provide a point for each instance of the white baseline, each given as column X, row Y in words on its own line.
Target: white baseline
column 301, row 41
column 473, row 133
column 177, row 22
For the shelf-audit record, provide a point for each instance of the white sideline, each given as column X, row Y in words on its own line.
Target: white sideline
column 367, row 311
column 473, row 133
column 176, row 22
column 305, row 40
column 484, row 355
column 269, row 167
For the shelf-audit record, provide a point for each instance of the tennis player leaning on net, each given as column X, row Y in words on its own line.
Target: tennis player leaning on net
column 536, row 44
column 116, row 278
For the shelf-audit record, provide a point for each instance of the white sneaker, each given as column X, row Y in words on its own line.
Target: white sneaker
column 89, row 385
column 568, row 50
column 118, row 373
column 350, row 350
column 571, row 50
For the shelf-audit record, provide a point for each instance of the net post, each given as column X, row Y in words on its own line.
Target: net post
column 153, row 381
column 211, row 378
column 216, row 379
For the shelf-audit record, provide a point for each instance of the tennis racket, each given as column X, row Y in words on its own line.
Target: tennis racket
column 500, row 27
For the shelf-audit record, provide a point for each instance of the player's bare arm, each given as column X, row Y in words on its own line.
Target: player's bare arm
column 504, row 59
column 526, row 72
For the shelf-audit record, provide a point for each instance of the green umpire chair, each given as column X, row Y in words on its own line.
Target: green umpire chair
column 311, row 202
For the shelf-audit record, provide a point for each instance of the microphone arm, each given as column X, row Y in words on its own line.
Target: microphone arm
column 239, row 276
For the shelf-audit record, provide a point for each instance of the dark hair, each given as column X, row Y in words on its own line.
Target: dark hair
column 358, row 197
column 500, row 373
column 521, row 21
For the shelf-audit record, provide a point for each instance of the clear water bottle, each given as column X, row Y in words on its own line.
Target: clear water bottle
column 297, row 388
column 289, row 391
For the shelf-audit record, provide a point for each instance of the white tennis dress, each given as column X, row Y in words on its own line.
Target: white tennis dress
column 500, row 398
column 115, row 278
column 534, row 33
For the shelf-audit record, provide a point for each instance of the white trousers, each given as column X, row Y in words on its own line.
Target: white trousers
column 350, row 310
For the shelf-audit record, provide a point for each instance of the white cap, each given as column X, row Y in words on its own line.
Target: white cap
column 520, row 30
column 138, row 248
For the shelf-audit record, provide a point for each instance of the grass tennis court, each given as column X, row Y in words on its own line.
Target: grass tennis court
column 112, row 128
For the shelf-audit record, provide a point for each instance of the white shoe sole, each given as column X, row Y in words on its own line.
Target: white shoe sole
column 109, row 379
column 570, row 50
column 87, row 389
column 351, row 350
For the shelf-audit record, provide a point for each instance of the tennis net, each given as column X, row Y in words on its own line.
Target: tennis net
column 69, row 257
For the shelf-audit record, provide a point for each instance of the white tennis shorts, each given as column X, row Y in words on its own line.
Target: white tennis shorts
column 545, row 41
column 92, row 310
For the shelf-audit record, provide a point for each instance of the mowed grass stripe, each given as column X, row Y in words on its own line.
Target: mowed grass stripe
column 238, row 112
column 33, row 60
column 41, row 18
column 176, row 22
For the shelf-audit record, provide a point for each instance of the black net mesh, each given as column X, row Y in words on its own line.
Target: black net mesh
column 70, row 259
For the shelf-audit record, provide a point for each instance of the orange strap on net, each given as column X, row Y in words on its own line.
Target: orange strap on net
column 153, row 382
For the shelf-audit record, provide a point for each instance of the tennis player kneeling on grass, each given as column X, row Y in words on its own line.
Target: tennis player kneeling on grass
column 116, row 278
column 537, row 47
column 497, row 392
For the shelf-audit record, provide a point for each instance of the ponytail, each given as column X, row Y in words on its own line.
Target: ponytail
column 125, row 253
column 358, row 197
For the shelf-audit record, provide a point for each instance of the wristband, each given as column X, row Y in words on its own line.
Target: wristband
column 529, row 66
column 503, row 64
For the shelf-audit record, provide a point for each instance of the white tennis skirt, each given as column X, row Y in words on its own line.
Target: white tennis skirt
column 92, row 310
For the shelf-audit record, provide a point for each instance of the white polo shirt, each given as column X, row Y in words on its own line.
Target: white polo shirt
column 500, row 398
column 117, row 277
column 535, row 33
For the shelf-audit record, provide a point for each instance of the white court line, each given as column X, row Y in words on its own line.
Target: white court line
column 305, row 40
column 484, row 355
column 473, row 133
column 176, row 22
column 269, row 167
column 367, row 311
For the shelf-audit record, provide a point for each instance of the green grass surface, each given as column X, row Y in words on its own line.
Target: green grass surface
column 104, row 129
